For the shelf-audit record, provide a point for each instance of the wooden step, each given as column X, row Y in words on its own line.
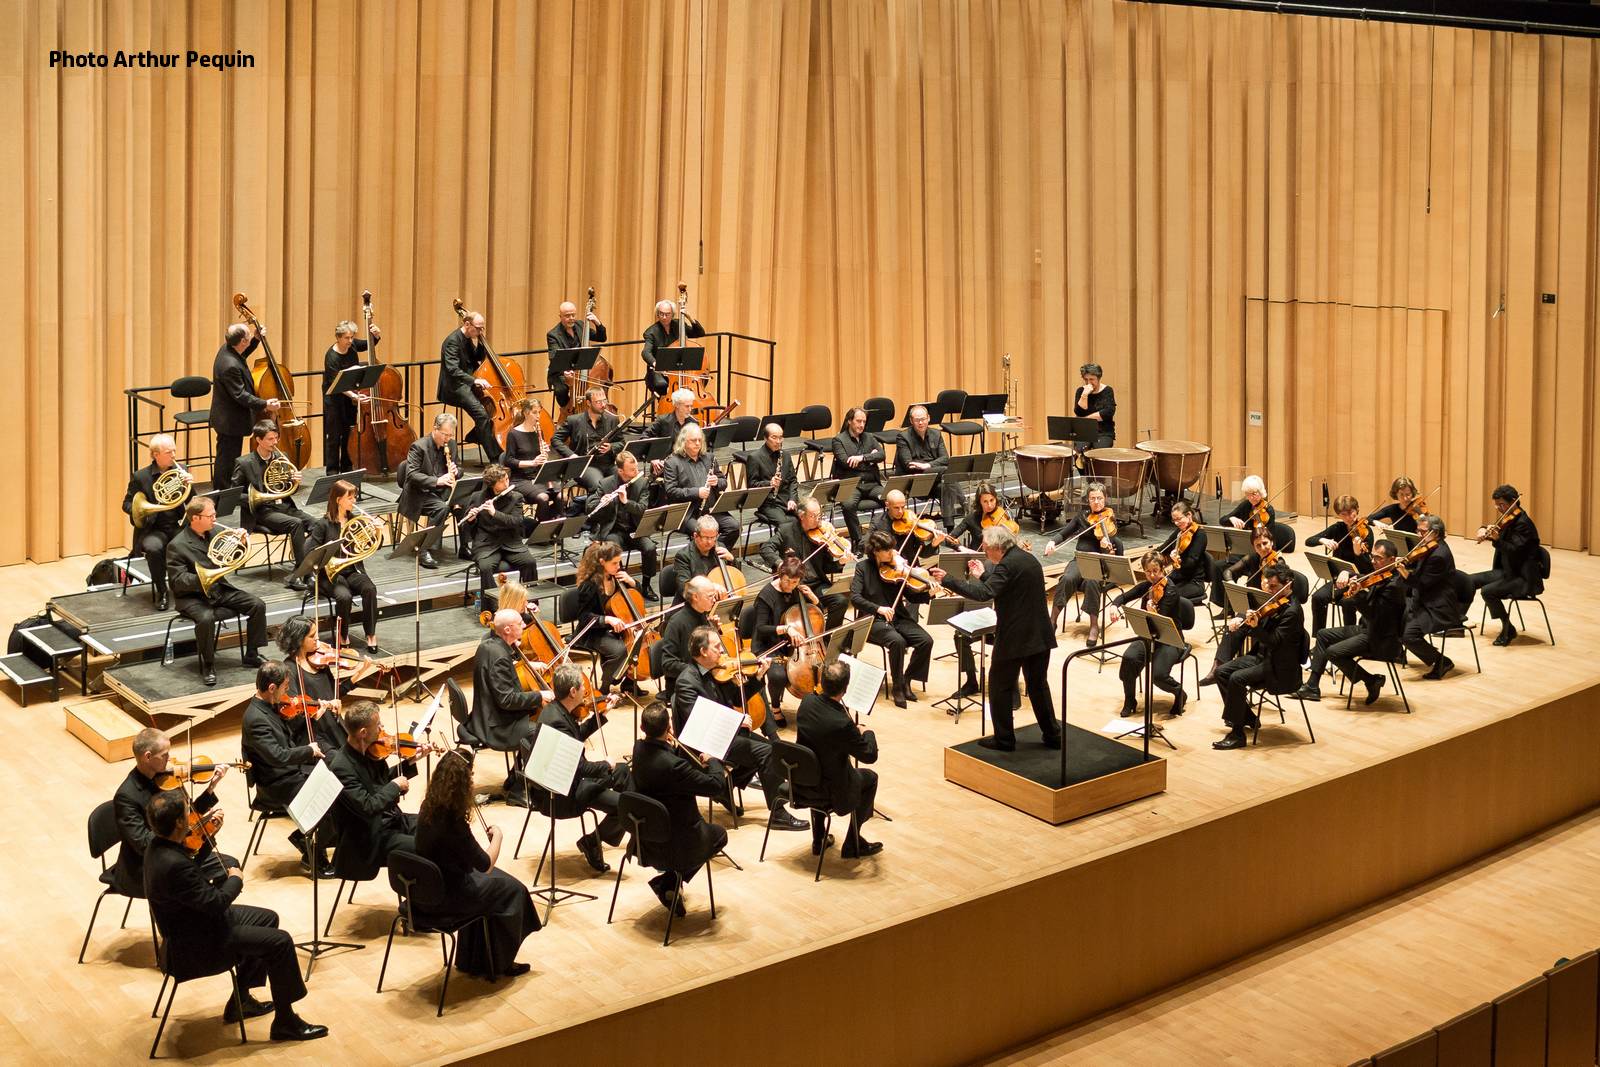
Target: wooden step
column 104, row 727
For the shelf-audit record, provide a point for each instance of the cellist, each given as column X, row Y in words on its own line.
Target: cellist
column 339, row 411
column 460, row 356
column 600, row 575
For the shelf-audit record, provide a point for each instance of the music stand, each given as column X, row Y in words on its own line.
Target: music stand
column 1112, row 572
column 851, row 638
column 1404, row 541
column 686, row 360
column 877, row 419
column 1328, row 568
column 728, row 607
column 955, row 561
column 1243, row 598
column 914, row 486
column 307, row 810
column 667, row 518
column 355, row 378
column 415, row 544
column 840, row 584
column 1156, row 629
column 324, row 485
column 940, row 611
column 556, row 531
column 976, row 632
column 228, row 500
column 975, row 466
column 649, row 449
column 1071, row 428
column 719, row 436
column 731, row 500
column 556, row 469
column 580, row 360
column 311, row 567
column 828, row 492
column 1235, row 542
column 977, row 405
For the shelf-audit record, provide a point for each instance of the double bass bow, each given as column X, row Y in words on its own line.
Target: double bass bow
column 294, row 436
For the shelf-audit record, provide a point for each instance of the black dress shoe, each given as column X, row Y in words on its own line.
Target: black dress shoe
column 296, row 1029
column 911, row 694
column 516, row 970
column 1128, row 708
column 162, row 601
column 1233, row 740
column 1179, row 699
column 209, row 677
column 1440, row 669
column 1209, row 679
column 969, row 688
column 253, row 660
column 253, row 1009
column 997, row 744
column 427, row 560
column 818, row 845
column 1308, row 692
column 898, row 695
column 782, row 820
column 297, row 584
column 862, row 850
column 1508, row 633
column 1051, row 740
column 589, row 845
column 664, row 894
column 1374, row 682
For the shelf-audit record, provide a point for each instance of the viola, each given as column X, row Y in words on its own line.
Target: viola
column 915, row 578
column 270, row 383
column 344, row 657
column 381, row 436
column 924, row 530
column 1254, row 616
column 828, row 536
column 203, row 830
column 1493, row 531
column 201, row 770
column 1157, row 590
column 296, row 706
column 1104, row 525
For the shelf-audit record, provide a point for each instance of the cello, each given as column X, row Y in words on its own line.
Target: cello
column 294, row 437
column 505, row 387
column 627, row 604
column 381, row 436
column 694, row 381
column 601, row 374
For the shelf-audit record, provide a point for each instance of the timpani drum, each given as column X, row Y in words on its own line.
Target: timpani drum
column 1177, row 466
column 1123, row 470
column 1044, row 469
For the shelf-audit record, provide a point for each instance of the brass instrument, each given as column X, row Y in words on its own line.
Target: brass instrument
column 171, row 490
column 1010, row 385
column 359, row 537
column 280, row 479
column 226, row 550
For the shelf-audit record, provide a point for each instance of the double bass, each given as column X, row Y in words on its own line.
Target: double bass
column 601, row 374
column 294, row 436
column 505, row 385
column 695, row 381
column 381, row 436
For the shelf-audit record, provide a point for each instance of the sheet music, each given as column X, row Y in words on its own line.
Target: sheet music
column 554, row 762
column 1133, row 724
column 866, row 682
column 420, row 728
column 974, row 620
column 316, row 796
column 711, row 727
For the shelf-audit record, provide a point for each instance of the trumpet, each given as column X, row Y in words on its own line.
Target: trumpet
column 280, row 479
column 359, row 537
column 171, row 490
column 226, row 550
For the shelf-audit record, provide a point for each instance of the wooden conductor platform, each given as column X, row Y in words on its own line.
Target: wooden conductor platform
column 1100, row 774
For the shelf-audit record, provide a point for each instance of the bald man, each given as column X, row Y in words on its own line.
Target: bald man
column 502, row 711
column 568, row 334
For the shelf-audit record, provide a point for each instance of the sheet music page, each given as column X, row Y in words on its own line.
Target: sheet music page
column 974, row 620
column 316, row 796
column 554, row 762
column 866, row 682
column 711, row 727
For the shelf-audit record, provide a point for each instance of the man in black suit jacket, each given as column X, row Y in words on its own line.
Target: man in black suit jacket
column 202, row 925
column 663, row 333
column 1023, row 637
column 770, row 466
column 187, row 551
column 1278, row 646
column 700, row 556
column 615, row 508
column 151, row 753
column 598, row 785
column 1432, row 605
column 922, row 451
column 1517, row 570
column 564, row 336
column 431, row 469
column 834, row 737
column 502, row 711
column 749, row 754
column 159, row 528
column 460, row 356
column 279, row 516
column 497, row 538
column 281, row 753
column 590, row 432
column 235, row 407
column 663, row 773
column 857, row 454
column 371, row 824
column 1377, row 636
column 893, row 608
column 672, row 651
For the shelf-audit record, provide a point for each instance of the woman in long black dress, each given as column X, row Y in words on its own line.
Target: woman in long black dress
column 472, row 885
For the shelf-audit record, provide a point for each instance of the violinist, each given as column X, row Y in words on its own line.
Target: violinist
column 882, row 589
column 339, row 410
column 749, row 755
column 371, row 824
column 599, row 576
column 352, row 581
column 235, row 407
column 898, row 521
column 429, row 475
column 857, row 454
column 1432, row 604
column 1349, row 539
column 1404, row 507
column 160, row 527
column 566, row 335
column 670, row 424
column 616, row 507
column 188, row 550
column 152, row 752
column 836, row 739
column 819, row 566
column 309, row 666
column 691, row 474
column 985, row 511
column 281, row 516
column 1096, row 400
column 526, row 449
column 662, row 772
column 1254, row 507
column 599, row 785
column 590, row 432
column 281, row 752
column 770, row 466
column 1161, row 594
column 1383, row 609
column 922, row 451
column 699, row 597
column 1278, row 636
column 1250, row 571
column 1517, row 570
column 1095, row 531
column 461, row 354
column 502, row 709
column 202, row 924
column 663, row 333
column 700, row 556
column 497, row 538
column 1186, row 551
column 762, row 625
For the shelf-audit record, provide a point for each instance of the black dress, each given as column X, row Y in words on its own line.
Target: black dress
column 472, row 888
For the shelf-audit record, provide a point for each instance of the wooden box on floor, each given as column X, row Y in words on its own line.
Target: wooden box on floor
column 104, row 727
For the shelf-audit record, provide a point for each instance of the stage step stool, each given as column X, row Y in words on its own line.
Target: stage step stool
column 27, row 674
column 104, row 727
column 59, row 645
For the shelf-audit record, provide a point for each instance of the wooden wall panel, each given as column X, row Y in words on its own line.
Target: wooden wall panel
column 1315, row 219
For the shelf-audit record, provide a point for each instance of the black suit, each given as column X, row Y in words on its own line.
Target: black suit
column 668, row 425
column 459, row 360
column 1383, row 612
column 1023, row 639
column 598, row 784
column 689, row 562
column 1278, row 647
column 1190, row 575
column 759, row 467
column 128, row 804
column 186, row 552
column 202, row 926
column 371, row 824
column 579, row 435
column 657, row 336
column 868, row 470
column 278, row 750
column 828, row 730
column 929, row 449
column 338, row 410
column 497, row 540
column 821, row 567
column 666, row 775
column 273, row 516
column 618, row 519
column 749, row 754
column 868, row 593
column 159, row 527
column 683, row 478
column 561, row 339
column 235, row 408
column 672, row 651
column 351, row 582
column 420, row 493
column 1516, row 570
column 502, row 711
column 1432, row 604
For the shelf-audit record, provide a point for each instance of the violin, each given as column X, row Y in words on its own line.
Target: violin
column 916, row 579
column 1157, row 590
column 202, row 770
column 1254, row 616
column 998, row 517
column 296, row 706
column 924, row 530
column 270, row 383
column 346, row 658
column 827, row 535
column 1373, row 578
column 1493, row 531
column 1103, row 523
column 203, row 829
column 403, row 744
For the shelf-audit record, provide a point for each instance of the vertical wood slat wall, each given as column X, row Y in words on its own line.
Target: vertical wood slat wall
column 1314, row 219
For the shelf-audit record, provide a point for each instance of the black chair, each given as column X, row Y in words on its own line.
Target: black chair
column 189, row 389
column 667, row 583
column 952, row 402
column 648, row 823
column 177, row 976
column 1464, row 594
column 419, row 886
column 800, row 768
column 1392, row 666
column 460, row 713
column 878, row 405
column 814, row 417
column 567, row 611
column 1274, row 693
column 102, row 835
column 746, row 429
column 222, row 622
column 554, row 808
column 261, row 813
column 1283, row 537
column 1518, row 601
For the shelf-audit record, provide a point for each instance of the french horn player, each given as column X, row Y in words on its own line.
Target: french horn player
column 269, row 481
column 154, row 504
column 200, row 558
column 344, row 576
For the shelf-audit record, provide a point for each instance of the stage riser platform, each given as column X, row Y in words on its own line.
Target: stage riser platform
column 1038, row 954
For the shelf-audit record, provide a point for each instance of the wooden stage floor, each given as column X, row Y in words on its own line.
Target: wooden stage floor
column 946, row 847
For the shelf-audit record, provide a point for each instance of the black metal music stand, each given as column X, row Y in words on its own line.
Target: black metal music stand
column 940, row 611
column 976, row 635
column 1156, row 629
column 415, row 544
column 324, row 485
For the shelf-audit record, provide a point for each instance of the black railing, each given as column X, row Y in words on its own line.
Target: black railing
column 1510, row 16
column 1093, row 650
